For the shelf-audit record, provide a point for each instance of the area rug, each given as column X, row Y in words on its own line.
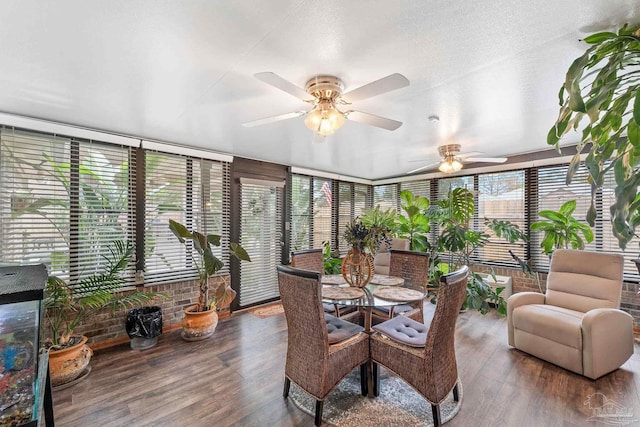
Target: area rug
column 267, row 310
column 397, row 405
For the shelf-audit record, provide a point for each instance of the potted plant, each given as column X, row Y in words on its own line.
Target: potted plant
column 562, row 230
column 415, row 226
column 357, row 265
column 201, row 319
column 456, row 243
column 601, row 88
column 67, row 306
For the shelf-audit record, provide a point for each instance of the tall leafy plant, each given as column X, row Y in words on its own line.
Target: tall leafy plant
column 600, row 96
column 561, row 230
column 416, row 224
column 457, row 242
column 206, row 263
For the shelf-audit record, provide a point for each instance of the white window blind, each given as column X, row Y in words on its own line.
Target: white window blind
column 420, row 188
column 447, row 184
column 552, row 192
column 345, row 213
column 301, row 219
column 360, row 199
column 501, row 196
column 261, row 218
column 192, row 191
column 605, row 240
column 64, row 201
column 323, row 221
column 386, row 196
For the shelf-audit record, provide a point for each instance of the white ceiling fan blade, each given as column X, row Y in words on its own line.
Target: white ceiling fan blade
column 419, row 160
column 370, row 119
column 285, row 85
column 385, row 84
column 272, row 119
column 429, row 166
column 469, row 154
column 485, row 159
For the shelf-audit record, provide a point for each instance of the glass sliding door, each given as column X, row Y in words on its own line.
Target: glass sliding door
column 261, row 236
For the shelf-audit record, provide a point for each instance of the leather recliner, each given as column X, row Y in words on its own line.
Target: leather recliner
column 577, row 323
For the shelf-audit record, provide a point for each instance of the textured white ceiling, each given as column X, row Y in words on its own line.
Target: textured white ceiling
column 182, row 71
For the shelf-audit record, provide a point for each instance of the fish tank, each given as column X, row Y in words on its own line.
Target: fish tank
column 23, row 366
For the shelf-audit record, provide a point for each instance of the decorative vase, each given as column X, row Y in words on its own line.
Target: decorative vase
column 69, row 363
column 357, row 268
column 198, row 325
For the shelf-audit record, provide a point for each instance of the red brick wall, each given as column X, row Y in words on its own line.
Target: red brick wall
column 110, row 326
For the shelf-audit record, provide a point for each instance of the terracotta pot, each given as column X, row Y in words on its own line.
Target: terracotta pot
column 198, row 325
column 67, row 364
column 357, row 268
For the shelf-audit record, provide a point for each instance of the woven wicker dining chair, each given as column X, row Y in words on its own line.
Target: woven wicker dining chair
column 321, row 349
column 413, row 267
column 311, row 260
column 424, row 355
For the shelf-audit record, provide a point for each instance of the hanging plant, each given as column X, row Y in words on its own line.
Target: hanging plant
column 602, row 87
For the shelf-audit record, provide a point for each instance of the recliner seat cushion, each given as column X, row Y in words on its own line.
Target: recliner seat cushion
column 551, row 322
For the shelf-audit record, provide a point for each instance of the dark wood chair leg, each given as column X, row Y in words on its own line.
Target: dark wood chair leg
column 376, row 379
column 364, row 386
column 437, row 419
column 456, row 397
column 319, row 405
column 287, row 385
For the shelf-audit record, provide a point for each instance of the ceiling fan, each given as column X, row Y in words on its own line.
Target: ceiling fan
column 325, row 94
column 451, row 160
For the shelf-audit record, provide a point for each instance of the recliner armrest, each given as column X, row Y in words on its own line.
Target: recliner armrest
column 516, row 300
column 607, row 340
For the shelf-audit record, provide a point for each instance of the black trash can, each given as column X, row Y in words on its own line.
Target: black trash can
column 143, row 326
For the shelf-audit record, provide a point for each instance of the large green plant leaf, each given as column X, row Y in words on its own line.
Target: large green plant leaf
column 180, row 231
column 239, row 252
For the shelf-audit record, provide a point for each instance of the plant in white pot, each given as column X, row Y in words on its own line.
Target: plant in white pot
column 201, row 319
column 67, row 306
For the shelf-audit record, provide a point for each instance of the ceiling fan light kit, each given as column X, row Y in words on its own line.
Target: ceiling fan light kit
column 325, row 118
column 451, row 160
column 327, row 92
column 450, row 165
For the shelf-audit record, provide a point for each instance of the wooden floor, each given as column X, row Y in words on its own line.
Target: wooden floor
column 235, row 379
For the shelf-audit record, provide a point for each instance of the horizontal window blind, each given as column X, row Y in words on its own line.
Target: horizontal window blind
column 301, row 219
column 501, row 196
column 345, row 213
column 34, row 200
column 551, row 192
column 64, row 201
column 447, row 184
column 192, row 191
column 605, row 240
column 106, row 204
column 323, row 220
column 386, row 196
column 261, row 212
column 360, row 199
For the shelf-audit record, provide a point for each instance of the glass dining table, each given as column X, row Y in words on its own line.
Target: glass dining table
column 381, row 291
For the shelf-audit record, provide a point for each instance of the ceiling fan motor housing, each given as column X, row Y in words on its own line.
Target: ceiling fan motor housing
column 449, row 150
column 325, row 88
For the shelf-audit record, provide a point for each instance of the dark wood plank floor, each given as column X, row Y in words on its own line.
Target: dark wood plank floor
column 235, row 379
